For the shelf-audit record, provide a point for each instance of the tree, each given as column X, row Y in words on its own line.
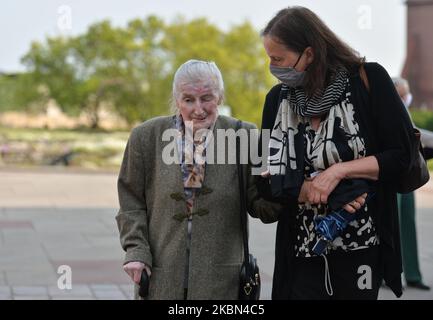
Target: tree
column 246, row 72
column 149, row 69
column 20, row 92
column 50, row 67
column 238, row 53
column 130, row 69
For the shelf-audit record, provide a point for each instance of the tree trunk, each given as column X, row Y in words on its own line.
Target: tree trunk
column 94, row 115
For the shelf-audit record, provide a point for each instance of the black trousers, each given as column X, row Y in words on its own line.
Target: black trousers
column 353, row 275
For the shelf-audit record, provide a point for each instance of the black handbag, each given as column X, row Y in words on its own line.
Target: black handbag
column 418, row 174
column 249, row 277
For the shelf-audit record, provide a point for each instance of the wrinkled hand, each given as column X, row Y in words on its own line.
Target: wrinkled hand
column 305, row 189
column 356, row 204
column 323, row 184
column 134, row 270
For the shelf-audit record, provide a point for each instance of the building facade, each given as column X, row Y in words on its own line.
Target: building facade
column 418, row 67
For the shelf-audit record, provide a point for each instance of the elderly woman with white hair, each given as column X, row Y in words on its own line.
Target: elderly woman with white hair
column 403, row 90
column 180, row 222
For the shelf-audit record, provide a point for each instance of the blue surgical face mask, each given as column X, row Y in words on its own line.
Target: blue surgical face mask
column 288, row 75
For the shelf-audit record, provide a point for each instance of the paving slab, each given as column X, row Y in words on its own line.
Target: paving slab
column 57, row 217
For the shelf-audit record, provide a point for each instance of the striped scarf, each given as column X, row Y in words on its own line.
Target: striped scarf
column 321, row 102
column 287, row 138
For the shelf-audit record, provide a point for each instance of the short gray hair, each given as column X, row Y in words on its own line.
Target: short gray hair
column 401, row 82
column 194, row 71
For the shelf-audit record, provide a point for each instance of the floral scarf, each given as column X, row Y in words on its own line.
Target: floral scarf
column 192, row 156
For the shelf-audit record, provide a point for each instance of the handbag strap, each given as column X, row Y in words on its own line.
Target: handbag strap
column 244, row 216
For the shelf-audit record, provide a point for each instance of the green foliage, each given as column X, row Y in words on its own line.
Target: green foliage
column 20, row 92
column 422, row 118
column 239, row 55
column 246, row 73
column 130, row 69
column 430, row 166
column 7, row 88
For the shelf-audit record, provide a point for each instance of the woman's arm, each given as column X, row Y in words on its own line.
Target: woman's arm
column 393, row 132
column 132, row 216
column 257, row 206
column 325, row 182
column 318, row 189
column 364, row 168
column 267, row 211
column 306, row 196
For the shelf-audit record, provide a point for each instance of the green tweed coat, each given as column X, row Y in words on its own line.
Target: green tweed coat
column 151, row 202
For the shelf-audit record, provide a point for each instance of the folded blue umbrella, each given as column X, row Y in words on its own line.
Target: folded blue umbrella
column 329, row 227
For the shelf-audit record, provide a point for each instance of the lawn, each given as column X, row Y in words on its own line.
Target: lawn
column 78, row 148
column 75, row 148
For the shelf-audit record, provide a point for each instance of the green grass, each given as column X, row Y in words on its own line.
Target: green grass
column 422, row 118
column 91, row 149
column 60, row 134
column 430, row 165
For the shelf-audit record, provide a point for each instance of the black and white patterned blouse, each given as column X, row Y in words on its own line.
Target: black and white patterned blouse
column 333, row 142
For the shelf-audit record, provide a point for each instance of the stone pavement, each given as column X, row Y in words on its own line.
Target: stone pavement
column 55, row 217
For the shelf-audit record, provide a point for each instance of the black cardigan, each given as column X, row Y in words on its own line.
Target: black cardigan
column 387, row 130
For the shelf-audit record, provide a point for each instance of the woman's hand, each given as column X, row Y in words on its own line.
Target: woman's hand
column 305, row 189
column 134, row 270
column 356, row 204
column 265, row 174
column 351, row 207
column 324, row 183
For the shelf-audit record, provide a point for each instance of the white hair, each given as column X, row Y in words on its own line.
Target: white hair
column 194, row 71
column 401, row 82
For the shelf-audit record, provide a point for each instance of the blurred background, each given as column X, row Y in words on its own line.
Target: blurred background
column 76, row 76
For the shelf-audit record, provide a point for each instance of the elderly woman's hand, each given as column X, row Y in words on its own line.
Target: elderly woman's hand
column 134, row 270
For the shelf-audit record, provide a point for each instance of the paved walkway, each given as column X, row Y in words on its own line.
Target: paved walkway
column 50, row 218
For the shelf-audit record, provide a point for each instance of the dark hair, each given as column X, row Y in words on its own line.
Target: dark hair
column 298, row 28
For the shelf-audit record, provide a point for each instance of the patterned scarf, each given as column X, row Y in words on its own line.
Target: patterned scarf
column 192, row 156
column 287, row 137
column 320, row 103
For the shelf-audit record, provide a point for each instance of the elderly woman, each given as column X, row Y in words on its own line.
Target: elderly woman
column 180, row 223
